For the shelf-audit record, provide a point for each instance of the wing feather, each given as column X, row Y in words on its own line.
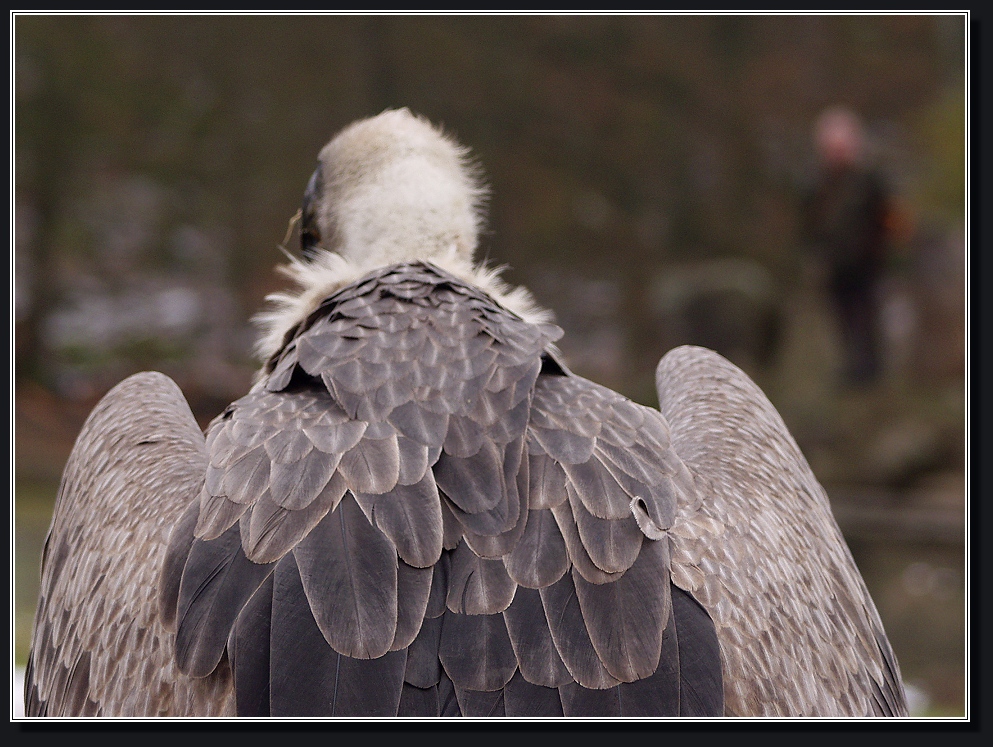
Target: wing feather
column 294, row 485
column 248, row 650
column 372, row 465
column 612, row 544
column 660, row 693
column 423, row 665
column 478, row 586
column 415, row 460
column 509, row 518
column 272, row 530
column 410, row 515
column 413, row 593
column 417, row 701
column 540, row 557
column 308, row 677
column 578, row 554
column 420, row 424
column 600, row 492
column 582, row 701
column 216, row 514
column 349, row 573
column 547, row 479
column 571, row 637
column 522, row 698
column 476, row 652
column 218, row 579
column 176, row 553
column 701, row 681
column 531, row 638
column 474, row 483
column 626, row 618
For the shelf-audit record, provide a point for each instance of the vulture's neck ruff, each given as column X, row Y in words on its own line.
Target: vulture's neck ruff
column 387, row 190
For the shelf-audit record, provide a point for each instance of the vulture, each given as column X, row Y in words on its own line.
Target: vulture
column 418, row 510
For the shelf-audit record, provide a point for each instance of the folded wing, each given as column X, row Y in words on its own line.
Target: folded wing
column 98, row 645
column 757, row 545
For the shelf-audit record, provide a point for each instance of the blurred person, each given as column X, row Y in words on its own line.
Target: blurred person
column 845, row 226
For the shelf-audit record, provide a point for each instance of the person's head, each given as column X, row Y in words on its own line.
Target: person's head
column 839, row 137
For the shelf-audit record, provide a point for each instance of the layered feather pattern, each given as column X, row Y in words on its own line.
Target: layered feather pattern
column 419, row 497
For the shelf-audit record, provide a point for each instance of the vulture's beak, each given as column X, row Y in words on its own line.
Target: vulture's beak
column 310, row 232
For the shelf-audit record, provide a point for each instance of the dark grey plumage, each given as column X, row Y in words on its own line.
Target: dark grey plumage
column 418, row 510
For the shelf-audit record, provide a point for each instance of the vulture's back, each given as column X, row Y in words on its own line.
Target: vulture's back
column 417, row 511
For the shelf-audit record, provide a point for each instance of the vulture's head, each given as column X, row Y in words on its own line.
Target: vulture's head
column 388, row 189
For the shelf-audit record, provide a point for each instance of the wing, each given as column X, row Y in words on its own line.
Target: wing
column 761, row 551
column 98, row 646
column 417, row 511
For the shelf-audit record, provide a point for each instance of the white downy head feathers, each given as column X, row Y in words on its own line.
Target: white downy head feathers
column 395, row 189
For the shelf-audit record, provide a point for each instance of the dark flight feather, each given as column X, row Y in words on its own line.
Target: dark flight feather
column 349, row 572
column 177, row 551
column 308, row 677
column 531, row 638
column 523, row 699
column 626, row 618
column 581, row 701
column 416, row 701
column 217, row 581
column 479, row 704
column 659, row 694
column 248, row 650
column 476, row 651
column 423, row 665
column 571, row 636
column 413, row 593
column 701, row 683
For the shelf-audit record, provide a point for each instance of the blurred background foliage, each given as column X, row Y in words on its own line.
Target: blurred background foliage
column 646, row 174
